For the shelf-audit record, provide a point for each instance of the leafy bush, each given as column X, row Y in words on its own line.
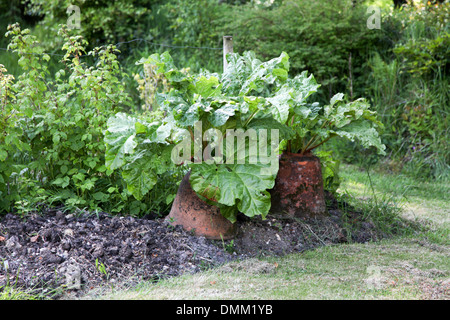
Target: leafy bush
column 320, row 36
column 150, row 84
column 410, row 89
column 52, row 149
column 193, row 23
column 100, row 21
column 169, row 22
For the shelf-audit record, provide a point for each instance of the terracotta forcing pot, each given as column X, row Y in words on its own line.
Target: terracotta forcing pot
column 298, row 189
column 195, row 215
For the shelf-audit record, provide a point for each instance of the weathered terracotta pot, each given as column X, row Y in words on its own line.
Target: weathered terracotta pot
column 298, row 189
column 193, row 214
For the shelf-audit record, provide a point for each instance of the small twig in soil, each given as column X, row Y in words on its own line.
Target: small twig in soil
column 309, row 228
column 185, row 245
column 203, row 258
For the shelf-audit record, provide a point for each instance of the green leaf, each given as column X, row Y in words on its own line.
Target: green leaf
column 140, row 177
column 269, row 123
column 166, row 66
column 291, row 97
column 240, row 185
column 280, row 105
column 140, row 128
column 3, row 155
column 337, row 97
column 119, row 139
column 87, row 185
column 100, row 196
column 130, row 144
column 207, row 87
column 364, row 133
column 79, row 176
column 221, row 115
column 112, row 189
column 266, row 73
column 238, row 70
column 229, row 213
column 64, row 169
column 62, row 182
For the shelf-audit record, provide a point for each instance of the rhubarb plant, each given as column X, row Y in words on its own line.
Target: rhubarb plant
column 199, row 118
column 202, row 111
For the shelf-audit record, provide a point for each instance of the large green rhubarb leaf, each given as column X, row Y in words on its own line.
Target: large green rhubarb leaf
column 363, row 132
column 291, row 97
column 240, row 186
column 143, row 167
column 119, row 139
column 266, row 73
column 140, row 149
column 140, row 176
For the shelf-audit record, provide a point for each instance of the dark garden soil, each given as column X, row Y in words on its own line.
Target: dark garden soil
column 52, row 252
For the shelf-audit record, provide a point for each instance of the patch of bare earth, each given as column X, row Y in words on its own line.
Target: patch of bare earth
column 52, row 251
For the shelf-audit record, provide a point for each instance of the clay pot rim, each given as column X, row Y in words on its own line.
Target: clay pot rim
column 290, row 155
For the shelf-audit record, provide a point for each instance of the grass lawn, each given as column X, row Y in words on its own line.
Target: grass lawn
column 413, row 266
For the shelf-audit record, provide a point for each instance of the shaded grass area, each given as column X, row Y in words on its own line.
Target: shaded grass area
column 431, row 195
column 386, row 270
column 424, row 202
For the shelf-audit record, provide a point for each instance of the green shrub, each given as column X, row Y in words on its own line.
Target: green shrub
column 407, row 81
column 320, row 36
column 410, row 88
column 100, row 21
column 52, row 149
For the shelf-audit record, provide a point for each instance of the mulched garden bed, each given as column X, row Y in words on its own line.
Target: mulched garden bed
column 52, row 252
